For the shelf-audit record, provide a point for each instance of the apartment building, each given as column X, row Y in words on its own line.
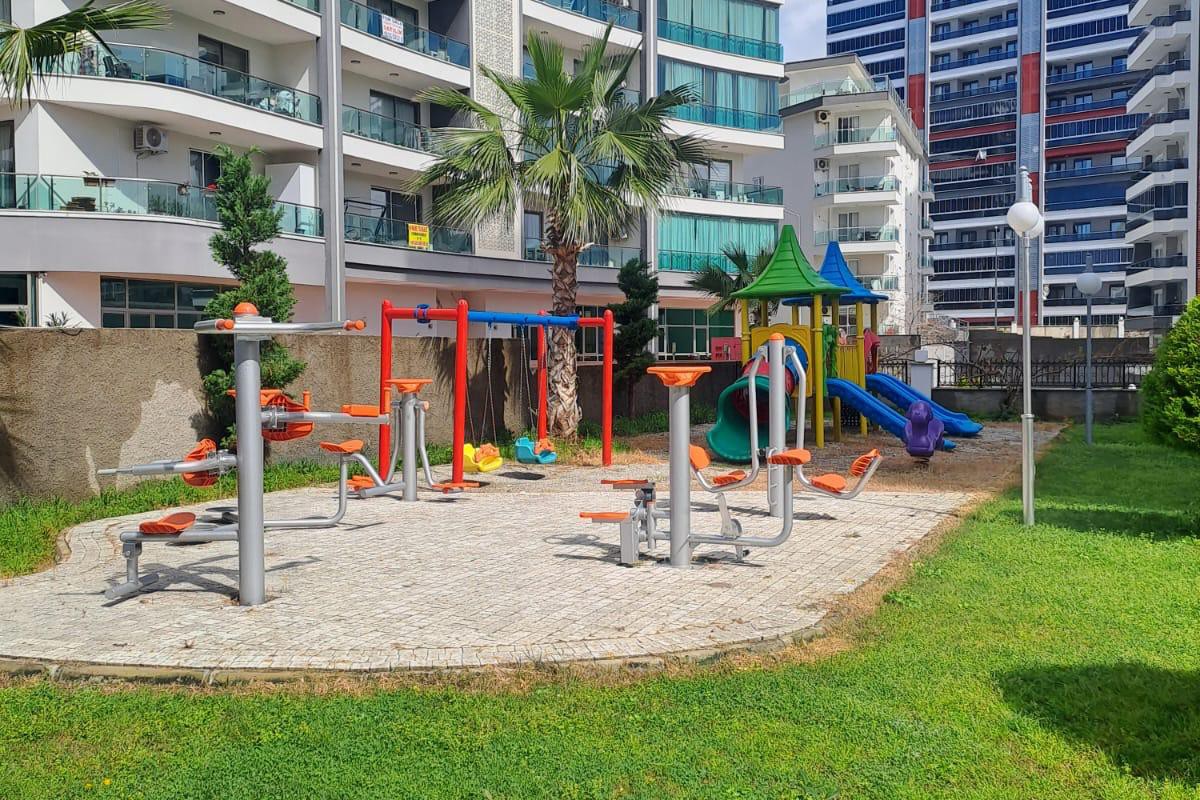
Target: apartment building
column 854, row 172
column 105, row 198
column 1162, row 204
column 999, row 84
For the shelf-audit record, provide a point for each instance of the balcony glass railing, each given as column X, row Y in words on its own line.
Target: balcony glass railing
column 973, row 244
column 135, row 63
column 1164, row 21
column 1158, row 262
column 882, row 183
column 620, row 16
column 856, row 136
column 974, row 29
column 1084, row 74
column 311, row 5
column 605, row 256
column 1090, row 236
column 1137, row 219
column 374, row 228
column 715, row 40
column 401, row 34
column 681, row 261
column 389, row 130
column 927, row 186
column 1166, row 68
column 1160, row 118
column 1089, row 172
column 727, row 117
column 1000, row 88
column 832, row 89
column 1162, row 165
column 887, row 233
column 987, row 58
column 926, row 224
column 729, row 191
column 1075, row 108
column 134, row 197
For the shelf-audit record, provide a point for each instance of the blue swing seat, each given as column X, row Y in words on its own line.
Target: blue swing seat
column 527, row 455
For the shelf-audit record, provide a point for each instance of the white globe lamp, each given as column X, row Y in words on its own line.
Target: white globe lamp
column 1023, row 217
column 1088, row 284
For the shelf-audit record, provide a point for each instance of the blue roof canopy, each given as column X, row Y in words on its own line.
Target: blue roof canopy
column 835, row 270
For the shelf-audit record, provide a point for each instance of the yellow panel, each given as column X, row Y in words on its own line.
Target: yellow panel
column 801, row 334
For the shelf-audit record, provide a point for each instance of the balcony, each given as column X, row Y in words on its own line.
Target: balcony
column 945, row 97
column 1160, row 22
column 945, row 5
column 621, row 16
column 374, row 227
column 1003, row 24
column 1085, row 74
column 598, row 255
column 1075, row 108
column 881, row 134
column 987, row 58
column 1161, row 118
column 1090, row 172
column 887, row 233
column 1138, row 219
column 133, row 197
column 1108, row 300
column 730, row 192
column 681, row 261
column 883, row 183
column 721, row 42
column 727, row 117
column 419, row 40
column 848, row 86
column 1091, row 236
column 380, row 128
column 1158, row 262
column 1138, row 101
column 975, row 244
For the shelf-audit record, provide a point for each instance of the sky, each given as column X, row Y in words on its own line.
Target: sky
column 802, row 29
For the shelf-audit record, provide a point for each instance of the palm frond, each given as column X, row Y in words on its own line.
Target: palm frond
column 28, row 55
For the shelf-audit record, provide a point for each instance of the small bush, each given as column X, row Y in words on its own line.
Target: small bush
column 1171, row 392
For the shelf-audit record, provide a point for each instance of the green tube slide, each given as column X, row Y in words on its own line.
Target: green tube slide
column 729, row 438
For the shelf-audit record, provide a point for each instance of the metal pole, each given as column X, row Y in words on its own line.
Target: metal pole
column 1027, row 469
column 1088, row 410
column 408, row 425
column 681, row 477
column 996, row 278
column 333, row 190
column 251, row 561
column 777, row 429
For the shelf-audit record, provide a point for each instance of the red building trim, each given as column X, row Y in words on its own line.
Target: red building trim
column 1031, row 83
column 995, row 127
column 1117, row 146
column 969, row 162
column 914, row 95
column 1052, row 118
column 916, row 9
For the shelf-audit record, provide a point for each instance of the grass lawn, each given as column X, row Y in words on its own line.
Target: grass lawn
column 1062, row 661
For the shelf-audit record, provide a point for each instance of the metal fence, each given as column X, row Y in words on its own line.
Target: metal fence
column 1066, row 374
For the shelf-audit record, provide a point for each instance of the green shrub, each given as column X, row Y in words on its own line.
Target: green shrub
column 1171, row 392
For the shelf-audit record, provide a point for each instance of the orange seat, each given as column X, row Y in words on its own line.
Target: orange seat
column 344, row 448
column 830, row 483
column 360, row 410
column 624, row 483
column 678, row 375
column 360, row 482
column 699, row 457
column 455, row 486
column 604, row 516
column 863, row 463
column 203, row 449
column 171, row 524
column 791, row 458
column 729, row 477
column 408, row 385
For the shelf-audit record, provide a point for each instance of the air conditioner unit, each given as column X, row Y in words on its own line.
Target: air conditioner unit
column 822, row 163
column 149, row 139
column 823, row 115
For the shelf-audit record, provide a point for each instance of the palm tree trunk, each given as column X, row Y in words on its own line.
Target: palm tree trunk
column 564, row 413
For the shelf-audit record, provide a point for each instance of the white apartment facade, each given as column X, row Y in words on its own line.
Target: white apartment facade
column 855, row 172
column 103, row 177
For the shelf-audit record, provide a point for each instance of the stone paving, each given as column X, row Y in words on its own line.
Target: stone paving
column 501, row 576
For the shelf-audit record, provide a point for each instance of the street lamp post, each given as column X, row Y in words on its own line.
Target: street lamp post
column 1026, row 221
column 995, row 277
column 1088, row 283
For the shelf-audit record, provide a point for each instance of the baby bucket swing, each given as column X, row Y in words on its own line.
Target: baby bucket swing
column 527, row 450
column 485, row 457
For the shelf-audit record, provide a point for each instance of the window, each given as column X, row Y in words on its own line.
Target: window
column 225, row 55
column 1083, row 228
column 1119, row 63
column 1057, row 166
column 129, row 303
column 941, row 29
column 688, row 332
column 995, row 82
column 871, row 43
column 1083, row 67
column 8, row 165
column 1082, row 163
column 15, row 294
column 969, row 86
column 205, row 169
column 400, row 11
column 970, row 24
column 1011, row 48
column 846, row 126
column 757, row 21
column 1120, row 94
column 1011, row 15
column 397, row 108
column 1057, row 102
column 1056, row 229
column 970, row 55
column 1010, row 77
column 5, row 11
column 995, row 50
column 589, row 342
column 968, row 237
column 941, row 89
column 1116, row 225
column 941, row 58
column 1079, row 99
column 941, row 237
column 719, row 171
column 531, row 231
column 995, row 19
column 722, row 90
column 396, row 205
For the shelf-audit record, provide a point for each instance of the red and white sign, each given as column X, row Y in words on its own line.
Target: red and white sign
column 393, row 29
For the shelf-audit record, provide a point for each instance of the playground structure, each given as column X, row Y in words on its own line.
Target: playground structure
column 462, row 316
column 840, row 372
column 785, row 465
column 259, row 414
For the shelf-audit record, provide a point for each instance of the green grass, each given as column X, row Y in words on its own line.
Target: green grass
column 1061, row 661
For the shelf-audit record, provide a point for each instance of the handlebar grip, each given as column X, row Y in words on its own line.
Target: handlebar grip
column 354, row 325
column 224, row 324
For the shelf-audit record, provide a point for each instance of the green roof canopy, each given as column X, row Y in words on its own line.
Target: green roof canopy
column 788, row 274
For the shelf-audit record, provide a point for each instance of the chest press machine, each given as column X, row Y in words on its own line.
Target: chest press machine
column 784, row 467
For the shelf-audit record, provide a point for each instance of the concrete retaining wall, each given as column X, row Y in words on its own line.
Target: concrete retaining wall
column 1056, row 404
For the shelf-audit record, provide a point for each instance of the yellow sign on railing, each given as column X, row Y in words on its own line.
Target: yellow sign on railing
column 418, row 236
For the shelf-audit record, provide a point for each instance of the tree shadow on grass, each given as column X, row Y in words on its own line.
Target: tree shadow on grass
column 1142, row 523
column 1145, row 719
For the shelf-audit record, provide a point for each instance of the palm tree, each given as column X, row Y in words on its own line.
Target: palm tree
column 28, row 55
column 717, row 281
column 575, row 148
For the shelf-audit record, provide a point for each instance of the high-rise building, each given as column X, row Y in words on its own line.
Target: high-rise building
column 1162, row 223
column 1000, row 84
column 105, row 178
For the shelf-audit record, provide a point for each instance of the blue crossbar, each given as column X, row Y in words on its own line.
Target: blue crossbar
column 507, row 318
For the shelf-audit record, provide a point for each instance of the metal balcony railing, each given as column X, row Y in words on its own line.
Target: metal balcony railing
column 434, row 45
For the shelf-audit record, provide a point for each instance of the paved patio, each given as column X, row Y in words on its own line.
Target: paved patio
column 505, row 575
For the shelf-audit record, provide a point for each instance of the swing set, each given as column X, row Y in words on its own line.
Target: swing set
column 462, row 316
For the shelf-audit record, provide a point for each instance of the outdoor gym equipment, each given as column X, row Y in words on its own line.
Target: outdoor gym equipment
column 784, row 466
column 462, row 316
column 529, row 452
column 253, row 411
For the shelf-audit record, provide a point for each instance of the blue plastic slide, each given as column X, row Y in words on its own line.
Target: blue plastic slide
column 901, row 395
column 876, row 411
